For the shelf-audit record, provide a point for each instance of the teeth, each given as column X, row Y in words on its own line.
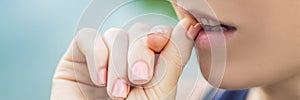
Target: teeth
column 210, row 25
column 205, row 21
column 214, row 23
column 217, row 29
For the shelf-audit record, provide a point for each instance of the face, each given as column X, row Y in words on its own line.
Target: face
column 263, row 47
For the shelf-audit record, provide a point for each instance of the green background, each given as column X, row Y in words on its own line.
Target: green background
column 34, row 34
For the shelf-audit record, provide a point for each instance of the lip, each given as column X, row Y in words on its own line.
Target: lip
column 198, row 14
column 206, row 39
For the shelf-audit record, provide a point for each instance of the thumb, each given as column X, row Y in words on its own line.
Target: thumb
column 171, row 61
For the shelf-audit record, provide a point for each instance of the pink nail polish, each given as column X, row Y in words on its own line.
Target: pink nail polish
column 102, row 76
column 120, row 89
column 140, row 71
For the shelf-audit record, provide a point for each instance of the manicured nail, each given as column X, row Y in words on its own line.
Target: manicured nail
column 120, row 89
column 102, row 76
column 140, row 71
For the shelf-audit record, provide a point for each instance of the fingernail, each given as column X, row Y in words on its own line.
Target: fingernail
column 197, row 26
column 189, row 33
column 193, row 30
column 120, row 89
column 140, row 71
column 102, row 76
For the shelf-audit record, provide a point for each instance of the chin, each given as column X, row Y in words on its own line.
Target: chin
column 232, row 78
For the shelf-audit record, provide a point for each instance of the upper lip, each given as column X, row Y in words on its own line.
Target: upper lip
column 198, row 15
column 211, row 23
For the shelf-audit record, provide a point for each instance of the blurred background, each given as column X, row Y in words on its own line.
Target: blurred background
column 34, row 34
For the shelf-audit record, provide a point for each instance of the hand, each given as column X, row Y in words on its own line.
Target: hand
column 76, row 76
column 84, row 59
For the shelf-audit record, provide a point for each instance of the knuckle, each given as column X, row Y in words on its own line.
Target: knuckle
column 85, row 33
column 162, row 27
column 114, row 32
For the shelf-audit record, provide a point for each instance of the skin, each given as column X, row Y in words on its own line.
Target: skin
column 265, row 52
column 79, row 74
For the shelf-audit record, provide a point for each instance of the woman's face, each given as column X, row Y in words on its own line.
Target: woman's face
column 265, row 48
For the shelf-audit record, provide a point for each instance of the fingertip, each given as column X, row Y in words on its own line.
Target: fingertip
column 120, row 89
column 197, row 25
column 141, row 62
column 156, row 41
column 140, row 73
column 159, row 37
column 193, row 31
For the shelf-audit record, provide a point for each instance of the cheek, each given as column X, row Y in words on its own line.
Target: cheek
column 262, row 55
column 250, row 65
column 266, row 48
column 257, row 56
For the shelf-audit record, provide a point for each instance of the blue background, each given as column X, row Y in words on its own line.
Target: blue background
column 34, row 34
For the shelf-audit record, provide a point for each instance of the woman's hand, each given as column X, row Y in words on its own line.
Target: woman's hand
column 79, row 73
column 93, row 62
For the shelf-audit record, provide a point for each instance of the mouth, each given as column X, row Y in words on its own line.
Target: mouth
column 213, row 31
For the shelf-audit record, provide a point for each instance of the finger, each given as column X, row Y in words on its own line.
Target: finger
column 65, row 83
column 117, row 84
column 181, row 41
column 193, row 31
column 94, row 48
column 72, row 77
column 170, row 62
column 158, row 37
column 141, row 58
column 137, row 31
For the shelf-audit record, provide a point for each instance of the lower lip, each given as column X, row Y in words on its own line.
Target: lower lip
column 209, row 39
